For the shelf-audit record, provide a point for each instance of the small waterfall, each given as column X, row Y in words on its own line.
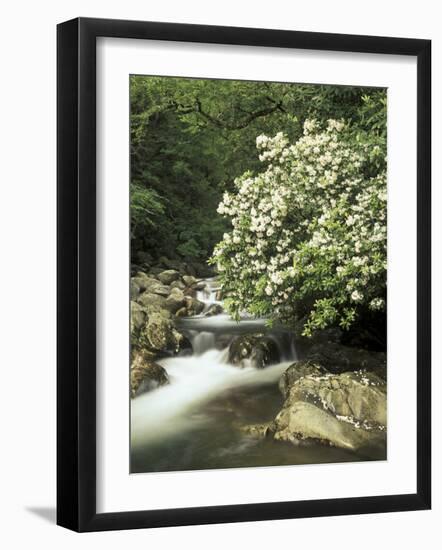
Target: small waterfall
column 208, row 294
column 197, row 378
column 202, row 341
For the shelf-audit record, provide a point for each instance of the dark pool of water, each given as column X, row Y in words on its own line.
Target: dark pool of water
column 213, row 439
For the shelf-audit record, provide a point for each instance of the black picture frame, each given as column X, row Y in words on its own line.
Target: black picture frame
column 76, row 274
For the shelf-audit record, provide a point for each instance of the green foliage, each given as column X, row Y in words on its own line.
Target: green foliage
column 308, row 236
column 191, row 138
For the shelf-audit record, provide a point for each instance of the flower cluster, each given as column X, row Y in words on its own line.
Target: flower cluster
column 308, row 233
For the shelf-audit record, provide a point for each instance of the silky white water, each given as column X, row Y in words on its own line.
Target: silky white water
column 192, row 423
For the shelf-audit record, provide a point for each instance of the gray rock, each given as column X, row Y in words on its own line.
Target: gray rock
column 258, row 431
column 182, row 312
column 143, row 281
column 306, row 422
column 199, row 285
column 178, row 284
column 255, row 350
column 189, row 280
column 160, row 289
column 175, row 300
column 152, row 301
column 138, row 317
column 135, row 289
column 169, row 276
column 214, row 309
column 159, row 334
column 347, row 410
column 193, row 306
column 297, row 371
column 145, row 375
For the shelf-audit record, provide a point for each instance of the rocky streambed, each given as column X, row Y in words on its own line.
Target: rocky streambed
column 208, row 392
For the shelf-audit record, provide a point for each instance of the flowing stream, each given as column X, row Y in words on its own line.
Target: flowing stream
column 193, row 422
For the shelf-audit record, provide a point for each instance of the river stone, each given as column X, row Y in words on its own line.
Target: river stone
column 214, row 309
column 258, row 431
column 189, row 280
column 193, row 306
column 303, row 421
column 253, row 350
column 347, row 410
column 169, row 276
column 143, row 281
column 137, row 316
column 159, row 334
column 200, row 285
column 175, row 300
column 152, row 301
column 295, row 372
column 178, row 284
column 358, row 395
column 135, row 289
column 160, row 289
column 145, row 375
column 182, row 312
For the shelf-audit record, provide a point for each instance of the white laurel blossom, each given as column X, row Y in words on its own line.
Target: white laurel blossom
column 310, row 225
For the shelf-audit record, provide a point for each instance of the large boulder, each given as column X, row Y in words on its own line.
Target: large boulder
column 178, row 284
column 253, row 350
column 214, row 309
column 189, row 280
column 347, row 410
column 146, row 375
column 152, row 302
column 138, row 316
column 143, row 281
column 160, row 289
column 175, row 300
column 159, row 334
column 135, row 289
column 361, row 396
column 169, row 276
column 193, row 306
column 296, row 371
column 200, row 285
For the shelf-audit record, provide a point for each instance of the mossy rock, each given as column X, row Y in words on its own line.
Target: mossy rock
column 146, row 375
column 253, row 350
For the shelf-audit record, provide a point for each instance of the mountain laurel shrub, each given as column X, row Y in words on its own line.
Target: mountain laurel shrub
column 308, row 236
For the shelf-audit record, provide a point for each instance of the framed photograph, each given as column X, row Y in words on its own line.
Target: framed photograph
column 243, row 274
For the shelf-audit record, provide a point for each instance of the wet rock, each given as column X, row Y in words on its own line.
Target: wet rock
column 169, row 276
column 189, row 280
column 159, row 334
column 253, row 350
column 152, row 301
column 178, row 284
column 347, row 410
column 138, row 316
column 175, row 300
column 135, row 289
column 182, row 312
column 214, row 309
column 297, row 371
column 258, row 431
column 146, row 375
column 193, row 306
column 143, row 281
column 200, row 285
